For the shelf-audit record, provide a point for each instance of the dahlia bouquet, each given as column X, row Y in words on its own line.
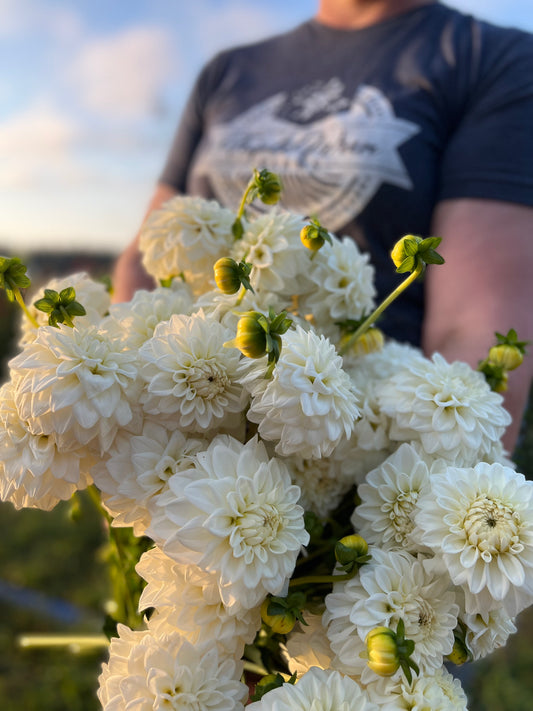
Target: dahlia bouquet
column 323, row 518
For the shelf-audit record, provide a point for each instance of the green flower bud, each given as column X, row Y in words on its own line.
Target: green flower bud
column 13, row 276
column 279, row 623
column 412, row 252
column 459, row 654
column 314, row 235
column 382, row 651
column 251, row 337
column 227, row 275
column 350, row 548
column 402, row 249
column 507, row 356
column 268, row 186
column 370, row 341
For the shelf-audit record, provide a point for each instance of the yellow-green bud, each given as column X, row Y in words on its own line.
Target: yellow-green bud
column 370, row 341
column 227, row 275
column 399, row 254
column 251, row 337
column 382, row 651
column 501, row 385
column 506, row 356
column 280, row 624
column 268, row 186
column 349, row 548
column 459, row 653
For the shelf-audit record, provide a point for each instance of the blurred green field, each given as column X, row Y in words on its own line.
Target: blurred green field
column 50, row 553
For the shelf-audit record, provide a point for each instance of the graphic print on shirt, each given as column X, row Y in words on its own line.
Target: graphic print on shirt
column 331, row 166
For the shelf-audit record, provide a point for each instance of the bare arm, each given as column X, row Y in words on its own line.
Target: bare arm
column 485, row 286
column 129, row 274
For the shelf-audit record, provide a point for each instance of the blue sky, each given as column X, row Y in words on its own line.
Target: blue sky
column 90, row 94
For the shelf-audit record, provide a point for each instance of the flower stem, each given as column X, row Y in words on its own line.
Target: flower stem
column 20, row 302
column 381, row 308
column 322, row 579
column 76, row 643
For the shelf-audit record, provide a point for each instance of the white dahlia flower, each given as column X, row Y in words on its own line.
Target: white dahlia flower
column 438, row 691
column 134, row 321
column 238, row 519
column 91, row 294
column 308, row 646
column 271, row 243
column 342, row 286
column 185, row 237
column 317, row 690
column 137, row 468
column 389, row 495
column 75, row 384
column 487, row 631
column 148, row 672
column 34, row 473
column 310, row 403
column 394, row 585
column 191, row 378
column 187, row 600
column 449, row 408
column 479, row 521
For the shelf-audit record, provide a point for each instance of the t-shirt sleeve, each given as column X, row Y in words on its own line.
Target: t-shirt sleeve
column 490, row 153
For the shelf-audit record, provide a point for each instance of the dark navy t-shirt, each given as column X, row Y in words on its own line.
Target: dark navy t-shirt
column 369, row 128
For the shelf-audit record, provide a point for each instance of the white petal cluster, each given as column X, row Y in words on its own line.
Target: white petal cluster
column 272, row 244
column 449, row 408
column 149, row 672
column 238, row 519
column 479, row 522
column 319, row 690
column 385, row 516
column 342, row 286
column 487, row 631
column 34, row 473
column 137, row 468
column 75, row 384
column 438, row 691
column 308, row 646
column 310, row 403
column 394, row 585
column 190, row 377
column 186, row 599
column 91, row 294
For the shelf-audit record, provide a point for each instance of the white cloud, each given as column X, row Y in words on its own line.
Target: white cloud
column 23, row 16
column 123, row 75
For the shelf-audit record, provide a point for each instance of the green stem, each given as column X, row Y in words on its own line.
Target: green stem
column 20, row 302
column 381, row 308
column 240, row 296
column 244, row 200
column 319, row 579
column 74, row 642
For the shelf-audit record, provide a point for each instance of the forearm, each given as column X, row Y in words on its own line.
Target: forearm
column 129, row 274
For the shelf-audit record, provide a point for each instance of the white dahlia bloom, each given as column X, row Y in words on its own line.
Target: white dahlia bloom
column 91, row 294
column 317, row 690
column 342, row 286
column 187, row 600
column 272, row 244
column 134, row 321
column 222, row 307
column 148, row 672
column 487, row 631
column 308, row 646
column 75, row 384
column 137, row 468
column 191, row 378
column 479, row 521
column 389, row 495
column 238, row 519
column 450, row 408
column 438, row 691
column 186, row 236
column 394, row 585
column 34, row 473
column 310, row 403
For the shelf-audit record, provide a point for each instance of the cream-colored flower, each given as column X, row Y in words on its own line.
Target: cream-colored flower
column 137, row 468
column 91, row 294
column 148, row 672
column 317, row 690
column 187, row 600
column 449, row 408
column 342, row 286
column 75, row 384
column 310, row 403
column 34, row 473
column 239, row 518
column 479, row 521
column 191, row 378
column 438, row 691
column 185, row 237
column 394, row 585
column 385, row 516
column 488, row 631
column 271, row 243
column 308, row 646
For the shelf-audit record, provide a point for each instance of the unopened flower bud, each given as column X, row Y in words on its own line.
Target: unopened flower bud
column 268, row 186
column 401, row 249
column 371, row 341
column 280, row 623
column 350, row 548
column 506, row 356
column 501, row 385
column 459, row 653
column 227, row 275
column 382, row 651
column 314, row 235
column 251, row 337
